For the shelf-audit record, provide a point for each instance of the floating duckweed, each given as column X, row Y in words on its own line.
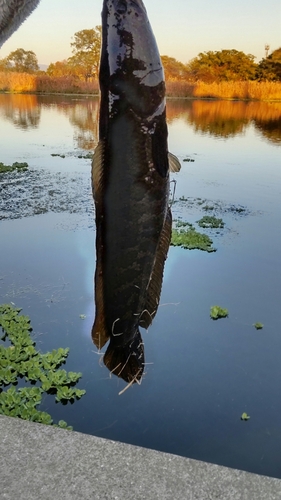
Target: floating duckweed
column 190, row 239
column 210, row 222
column 58, row 154
column 181, row 223
column 208, row 207
column 88, row 156
column 21, row 359
column 245, row 416
column 15, row 166
column 258, row 326
column 217, row 312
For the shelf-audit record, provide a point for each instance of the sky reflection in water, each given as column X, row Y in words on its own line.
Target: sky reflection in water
column 201, row 374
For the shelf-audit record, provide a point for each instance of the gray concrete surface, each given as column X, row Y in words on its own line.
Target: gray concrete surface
column 39, row 462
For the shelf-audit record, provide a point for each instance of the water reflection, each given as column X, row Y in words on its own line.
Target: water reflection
column 23, row 111
column 216, row 118
column 228, row 118
column 83, row 115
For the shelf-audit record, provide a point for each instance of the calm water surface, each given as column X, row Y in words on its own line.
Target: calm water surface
column 201, row 375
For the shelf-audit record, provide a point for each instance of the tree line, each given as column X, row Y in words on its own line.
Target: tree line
column 210, row 66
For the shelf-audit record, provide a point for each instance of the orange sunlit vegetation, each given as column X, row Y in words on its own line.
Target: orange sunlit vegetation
column 26, row 82
column 226, row 90
column 42, row 83
column 227, row 118
column 205, row 111
column 214, row 117
column 224, row 74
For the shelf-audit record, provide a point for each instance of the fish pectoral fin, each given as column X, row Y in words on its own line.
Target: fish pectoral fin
column 156, row 278
column 174, row 164
column 98, row 170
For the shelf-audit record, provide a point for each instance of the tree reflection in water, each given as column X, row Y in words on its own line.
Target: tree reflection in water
column 228, row 118
column 21, row 109
column 220, row 118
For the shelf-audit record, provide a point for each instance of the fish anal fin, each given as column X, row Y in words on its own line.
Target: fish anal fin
column 156, row 278
column 98, row 171
column 99, row 331
column 174, row 164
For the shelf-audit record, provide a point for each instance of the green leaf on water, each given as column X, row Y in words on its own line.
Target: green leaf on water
column 258, row 326
column 245, row 416
column 21, row 359
column 217, row 312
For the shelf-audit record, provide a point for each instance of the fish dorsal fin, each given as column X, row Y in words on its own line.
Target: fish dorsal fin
column 156, row 278
column 174, row 164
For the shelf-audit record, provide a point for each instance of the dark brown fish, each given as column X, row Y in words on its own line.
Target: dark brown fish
column 130, row 178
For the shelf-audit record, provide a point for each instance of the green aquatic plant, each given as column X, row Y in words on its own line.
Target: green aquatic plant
column 210, row 222
column 181, row 223
column 245, row 416
column 208, row 207
column 258, row 326
column 88, row 156
column 15, row 166
column 189, row 238
column 58, row 154
column 217, row 312
column 21, row 360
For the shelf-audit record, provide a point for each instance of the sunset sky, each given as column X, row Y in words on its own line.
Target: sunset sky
column 182, row 28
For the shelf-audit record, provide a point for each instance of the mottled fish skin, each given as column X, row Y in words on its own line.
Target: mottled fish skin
column 130, row 179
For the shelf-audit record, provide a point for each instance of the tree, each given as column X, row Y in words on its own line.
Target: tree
column 4, row 65
column 224, row 65
column 174, row 70
column 22, row 61
column 270, row 67
column 86, row 52
column 60, row 68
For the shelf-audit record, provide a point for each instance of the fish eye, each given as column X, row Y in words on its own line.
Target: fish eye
column 121, row 7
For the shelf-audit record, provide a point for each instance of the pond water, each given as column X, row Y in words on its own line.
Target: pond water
column 201, row 375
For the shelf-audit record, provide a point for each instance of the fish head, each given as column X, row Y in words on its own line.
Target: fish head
column 131, row 66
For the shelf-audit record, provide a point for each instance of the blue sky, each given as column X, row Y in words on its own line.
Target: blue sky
column 182, row 28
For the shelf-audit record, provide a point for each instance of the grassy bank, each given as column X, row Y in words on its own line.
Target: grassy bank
column 24, row 82
column 252, row 90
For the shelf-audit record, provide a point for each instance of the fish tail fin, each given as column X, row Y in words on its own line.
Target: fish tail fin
column 127, row 362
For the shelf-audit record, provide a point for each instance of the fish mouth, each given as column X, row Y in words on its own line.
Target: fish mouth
column 130, row 55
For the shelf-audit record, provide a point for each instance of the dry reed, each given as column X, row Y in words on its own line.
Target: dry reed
column 247, row 90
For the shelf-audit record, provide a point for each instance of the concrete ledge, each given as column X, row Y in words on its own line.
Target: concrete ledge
column 40, row 462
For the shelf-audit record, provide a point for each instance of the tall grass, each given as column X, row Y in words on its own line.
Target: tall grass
column 24, row 82
column 251, row 90
column 17, row 82
column 66, row 85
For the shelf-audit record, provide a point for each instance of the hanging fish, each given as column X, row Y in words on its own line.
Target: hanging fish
column 130, row 179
